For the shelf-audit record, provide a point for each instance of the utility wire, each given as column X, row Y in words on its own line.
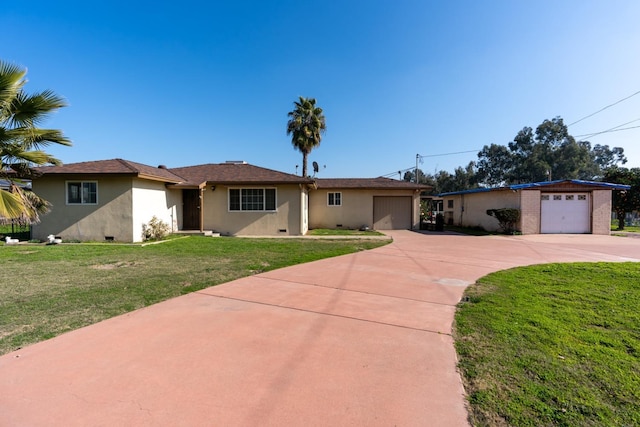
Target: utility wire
column 604, row 108
column 449, row 154
column 591, row 135
column 401, row 171
column 609, row 130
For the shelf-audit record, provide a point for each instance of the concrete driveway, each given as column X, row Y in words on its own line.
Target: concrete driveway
column 359, row 340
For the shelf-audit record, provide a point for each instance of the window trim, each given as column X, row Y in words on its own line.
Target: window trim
column 334, row 198
column 82, row 183
column 264, row 199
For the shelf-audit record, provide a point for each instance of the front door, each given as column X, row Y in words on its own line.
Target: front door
column 191, row 209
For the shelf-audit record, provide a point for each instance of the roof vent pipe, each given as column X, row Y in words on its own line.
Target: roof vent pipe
column 162, row 166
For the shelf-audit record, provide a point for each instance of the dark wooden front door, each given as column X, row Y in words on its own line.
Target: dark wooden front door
column 190, row 209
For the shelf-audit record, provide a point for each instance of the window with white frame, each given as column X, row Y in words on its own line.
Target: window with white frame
column 82, row 192
column 252, row 199
column 334, row 199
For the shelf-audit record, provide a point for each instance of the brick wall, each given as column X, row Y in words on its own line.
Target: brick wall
column 601, row 214
column 530, row 211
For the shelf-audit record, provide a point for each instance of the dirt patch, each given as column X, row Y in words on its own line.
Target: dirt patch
column 115, row 265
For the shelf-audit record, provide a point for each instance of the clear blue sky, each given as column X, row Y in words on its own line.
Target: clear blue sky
column 191, row 82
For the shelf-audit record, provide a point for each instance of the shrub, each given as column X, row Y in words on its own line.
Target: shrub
column 156, row 229
column 507, row 218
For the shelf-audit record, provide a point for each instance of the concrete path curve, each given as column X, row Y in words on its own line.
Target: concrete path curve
column 357, row 340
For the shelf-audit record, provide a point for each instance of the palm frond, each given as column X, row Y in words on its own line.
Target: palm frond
column 30, row 110
column 12, row 79
column 36, row 157
column 21, row 139
column 34, row 138
column 11, row 205
column 21, row 205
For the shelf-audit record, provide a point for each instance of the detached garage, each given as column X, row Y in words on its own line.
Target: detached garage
column 377, row 203
column 562, row 213
column 553, row 207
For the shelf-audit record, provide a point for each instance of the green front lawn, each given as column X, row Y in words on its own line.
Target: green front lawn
column 553, row 345
column 48, row 290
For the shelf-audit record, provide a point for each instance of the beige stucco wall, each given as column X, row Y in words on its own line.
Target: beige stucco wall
column 530, row 211
column 286, row 220
column 151, row 198
column 470, row 210
column 601, row 214
column 356, row 210
column 111, row 216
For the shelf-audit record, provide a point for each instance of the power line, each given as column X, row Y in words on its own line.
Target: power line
column 591, row 135
column 604, row 108
column 450, row 154
column 608, row 130
column 401, row 171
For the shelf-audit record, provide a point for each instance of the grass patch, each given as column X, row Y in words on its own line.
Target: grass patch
column 341, row 232
column 48, row 290
column 552, row 345
column 629, row 228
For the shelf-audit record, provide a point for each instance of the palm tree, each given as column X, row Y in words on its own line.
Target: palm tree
column 21, row 141
column 306, row 125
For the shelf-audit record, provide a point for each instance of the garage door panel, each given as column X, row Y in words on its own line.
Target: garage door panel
column 565, row 213
column 392, row 213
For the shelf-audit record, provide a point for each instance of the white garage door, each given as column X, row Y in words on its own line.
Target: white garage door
column 565, row 213
column 391, row 213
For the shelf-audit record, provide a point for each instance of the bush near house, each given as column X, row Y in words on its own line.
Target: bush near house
column 156, row 229
column 507, row 218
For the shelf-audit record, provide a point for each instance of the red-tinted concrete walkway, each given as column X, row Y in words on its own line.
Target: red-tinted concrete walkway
column 362, row 339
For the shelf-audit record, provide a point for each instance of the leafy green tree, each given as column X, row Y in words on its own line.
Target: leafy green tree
column 465, row 178
column 624, row 200
column 22, row 140
column 549, row 152
column 495, row 164
column 444, row 182
column 606, row 157
column 427, row 179
column 306, row 125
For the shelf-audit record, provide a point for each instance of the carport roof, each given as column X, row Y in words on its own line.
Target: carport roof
column 596, row 184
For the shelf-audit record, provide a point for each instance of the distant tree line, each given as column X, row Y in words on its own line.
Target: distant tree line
column 546, row 154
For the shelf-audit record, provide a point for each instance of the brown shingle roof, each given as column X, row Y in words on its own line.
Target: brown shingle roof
column 369, row 183
column 236, row 173
column 113, row 166
column 221, row 173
